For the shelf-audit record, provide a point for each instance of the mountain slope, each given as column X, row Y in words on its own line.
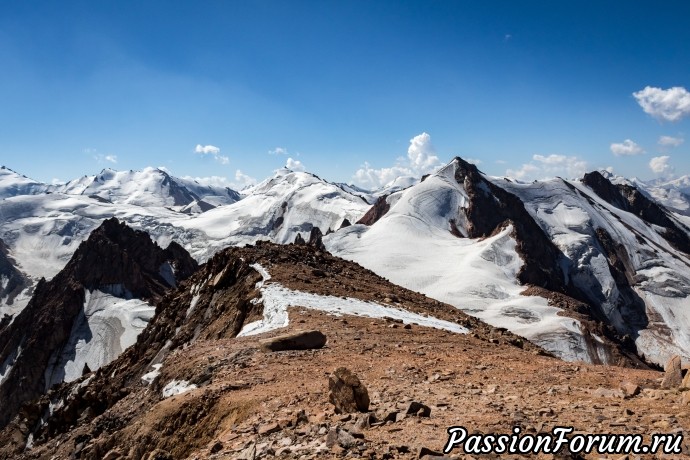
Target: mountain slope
column 88, row 314
column 190, row 388
column 478, row 242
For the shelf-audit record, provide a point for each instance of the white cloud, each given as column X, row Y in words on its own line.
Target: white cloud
column 242, row 180
column 543, row 167
column 111, row 158
column 626, row 148
column 213, row 151
column 206, row 149
column 294, row 165
column 659, row 165
column 278, row 151
column 668, row 141
column 421, row 159
column 474, row 161
column 665, row 104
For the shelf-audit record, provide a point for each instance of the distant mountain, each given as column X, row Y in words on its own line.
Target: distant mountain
column 13, row 184
column 88, row 313
column 610, row 268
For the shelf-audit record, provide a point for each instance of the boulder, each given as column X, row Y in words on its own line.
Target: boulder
column 299, row 340
column 673, row 376
column 346, row 392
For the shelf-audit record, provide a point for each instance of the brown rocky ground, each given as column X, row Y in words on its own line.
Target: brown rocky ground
column 255, row 404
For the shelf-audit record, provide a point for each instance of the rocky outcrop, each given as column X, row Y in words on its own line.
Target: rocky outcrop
column 380, row 208
column 12, row 281
column 114, row 258
column 629, row 198
column 492, row 208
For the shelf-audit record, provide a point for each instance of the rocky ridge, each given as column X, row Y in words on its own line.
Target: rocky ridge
column 114, row 259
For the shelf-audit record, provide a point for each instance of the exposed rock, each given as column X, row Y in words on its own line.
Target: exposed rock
column 113, row 255
column 315, row 239
column 380, row 208
column 346, row 392
column 300, row 340
column 426, row 452
column 299, row 240
column 270, row 428
column 418, row 409
column 630, row 389
column 15, row 281
column 673, row 376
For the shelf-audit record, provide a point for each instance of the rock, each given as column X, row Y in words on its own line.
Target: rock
column 271, row 428
column 685, row 400
column 247, row 454
column 673, row 376
column 602, row 392
column 300, row 340
column 630, row 389
column 113, row 455
column 346, row 392
column 426, row 452
column 340, row 437
column 217, row 447
column 160, row 454
column 418, row 409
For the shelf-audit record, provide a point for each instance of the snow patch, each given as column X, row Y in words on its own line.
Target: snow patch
column 177, row 387
column 149, row 377
column 277, row 298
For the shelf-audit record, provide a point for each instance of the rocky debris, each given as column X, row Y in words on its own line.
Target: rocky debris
column 346, row 392
column 673, row 377
column 300, row 340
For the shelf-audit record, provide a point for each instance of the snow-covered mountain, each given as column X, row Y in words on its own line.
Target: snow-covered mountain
column 477, row 242
column 89, row 313
column 42, row 227
column 606, row 269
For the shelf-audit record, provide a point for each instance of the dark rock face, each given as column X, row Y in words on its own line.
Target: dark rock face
column 16, row 281
column 491, row 208
column 301, row 340
column 114, row 254
column 315, row 239
column 346, row 392
column 630, row 199
column 380, row 208
column 225, row 293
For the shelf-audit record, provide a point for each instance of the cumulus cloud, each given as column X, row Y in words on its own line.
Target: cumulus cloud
column 294, row 165
column 213, row 151
column 670, row 104
column 421, row 159
column 669, row 141
column 206, row 149
column 543, row 167
column 111, row 158
column 626, row 148
column 660, row 166
column 241, row 181
column 278, row 151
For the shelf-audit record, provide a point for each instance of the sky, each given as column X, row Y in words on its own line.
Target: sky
column 353, row 91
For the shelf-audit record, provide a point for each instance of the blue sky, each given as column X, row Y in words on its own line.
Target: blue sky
column 342, row 87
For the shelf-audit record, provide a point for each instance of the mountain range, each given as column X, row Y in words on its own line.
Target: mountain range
column 595, row 269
